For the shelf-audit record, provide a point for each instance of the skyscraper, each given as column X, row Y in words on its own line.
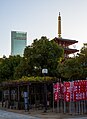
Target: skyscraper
column 18, row 42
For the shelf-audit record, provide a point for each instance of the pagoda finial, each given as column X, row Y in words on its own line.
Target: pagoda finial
column 59, row 26
column 59, row 13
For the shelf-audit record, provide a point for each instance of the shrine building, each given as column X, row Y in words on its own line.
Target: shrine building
column 65, row 43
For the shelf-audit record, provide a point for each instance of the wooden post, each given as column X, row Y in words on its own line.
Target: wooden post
column 2, row 98
column 9, row 98
column 53, row 98
column 45, row 97
column 64, row 107
column 28, row 95
column 18, row 97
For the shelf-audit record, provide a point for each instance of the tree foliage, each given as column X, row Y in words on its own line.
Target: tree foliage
column 74, row 68
column 70, row 69
column 43, row 54
column 82, row 59
column 7, row 67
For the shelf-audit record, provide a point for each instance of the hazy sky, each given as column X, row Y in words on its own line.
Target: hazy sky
column 39, row 18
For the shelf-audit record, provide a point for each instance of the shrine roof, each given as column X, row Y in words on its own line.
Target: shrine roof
column 66, row 40
column 70, row 51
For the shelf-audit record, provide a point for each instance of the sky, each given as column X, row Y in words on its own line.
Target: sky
column 40, row 18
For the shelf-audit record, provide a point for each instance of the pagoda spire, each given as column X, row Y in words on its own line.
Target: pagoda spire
column 59, row 26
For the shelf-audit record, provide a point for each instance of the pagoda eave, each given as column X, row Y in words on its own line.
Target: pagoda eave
column 67, row 41
column 70, row 51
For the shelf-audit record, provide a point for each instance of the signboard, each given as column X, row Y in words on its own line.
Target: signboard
column 44, row 71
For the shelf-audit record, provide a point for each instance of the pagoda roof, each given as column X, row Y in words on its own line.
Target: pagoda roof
column 70, row 51
column 68, row 41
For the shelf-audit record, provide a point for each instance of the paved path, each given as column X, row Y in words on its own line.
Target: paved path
column 77, row 118
column 12, row 115
column 36, row 114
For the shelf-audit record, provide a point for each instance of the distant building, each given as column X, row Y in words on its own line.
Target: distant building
column 18, row 42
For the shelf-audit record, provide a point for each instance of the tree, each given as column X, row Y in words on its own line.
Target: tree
column 82, row 59
column 43, row 54
column 7, row 67
column 23, row 69
column 70, row 69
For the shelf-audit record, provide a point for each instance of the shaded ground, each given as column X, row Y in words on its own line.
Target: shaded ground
column 48, row 115
column 12, row 115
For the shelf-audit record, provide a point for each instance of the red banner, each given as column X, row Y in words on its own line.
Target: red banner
column 66, row 86
column 61, row 91
column 56, row 91
column 79, row 90
column 71, row 91
column 67, row 96
column 67, row 91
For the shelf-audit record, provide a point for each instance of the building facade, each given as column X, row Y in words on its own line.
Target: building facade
column 18, row 42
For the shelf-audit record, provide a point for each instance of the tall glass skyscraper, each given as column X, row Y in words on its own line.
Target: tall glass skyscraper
column 18, row 42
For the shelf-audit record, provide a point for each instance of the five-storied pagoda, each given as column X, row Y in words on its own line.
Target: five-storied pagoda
column 65, row 43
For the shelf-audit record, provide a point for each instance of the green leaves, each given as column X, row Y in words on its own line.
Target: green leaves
column 35, row 79
column 7, row 67
column 82, row 59
column 70, row 69
column 44, row 54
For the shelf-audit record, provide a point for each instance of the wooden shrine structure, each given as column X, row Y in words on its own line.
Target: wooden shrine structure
column 38, row 92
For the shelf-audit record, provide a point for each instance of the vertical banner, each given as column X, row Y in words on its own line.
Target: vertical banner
column 67, row 96
column 56, row 91
column 67, row 91
column 86, row 88
column 76, row 91
column 79, row 90
column 61, row 90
